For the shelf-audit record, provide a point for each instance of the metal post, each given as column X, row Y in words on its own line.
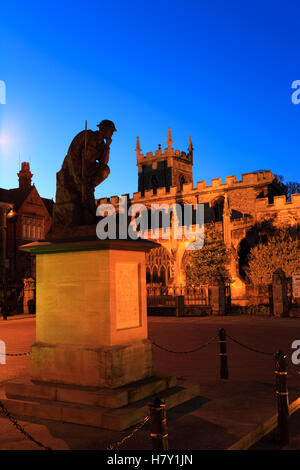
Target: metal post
column 3, row 255
column 4, row 206
column 228, row 300
column 158, row 423
column 223, row 354
column 282, row 398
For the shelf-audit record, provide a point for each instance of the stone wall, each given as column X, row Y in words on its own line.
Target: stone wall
column 281, row 211
column 246, row 206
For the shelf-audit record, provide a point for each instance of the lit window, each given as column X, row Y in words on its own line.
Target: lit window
column 33, row 228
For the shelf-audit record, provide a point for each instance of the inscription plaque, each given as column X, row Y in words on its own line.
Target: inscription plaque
column 128, row 311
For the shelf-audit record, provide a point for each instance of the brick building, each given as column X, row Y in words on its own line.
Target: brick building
column 27, row 217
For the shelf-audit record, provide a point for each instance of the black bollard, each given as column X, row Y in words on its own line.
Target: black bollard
column 282, row 398
column 223, row 354
column 158, row 425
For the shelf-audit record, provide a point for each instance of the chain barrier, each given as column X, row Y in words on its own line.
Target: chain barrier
column 249, row 347
column 15, row 354
column 119, row 443
column 4, row 411
column 292, row 371
column 191, row 350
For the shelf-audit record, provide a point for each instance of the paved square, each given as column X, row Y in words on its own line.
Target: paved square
column 224, row 412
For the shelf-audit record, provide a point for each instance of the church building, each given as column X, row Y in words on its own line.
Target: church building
column 166, row 177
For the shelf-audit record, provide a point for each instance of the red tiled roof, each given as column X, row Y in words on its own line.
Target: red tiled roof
column 15, row 196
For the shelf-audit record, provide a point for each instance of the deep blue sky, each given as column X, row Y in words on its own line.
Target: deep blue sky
column 220, row 71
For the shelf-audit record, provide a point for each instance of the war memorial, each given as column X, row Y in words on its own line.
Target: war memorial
column 91, row 362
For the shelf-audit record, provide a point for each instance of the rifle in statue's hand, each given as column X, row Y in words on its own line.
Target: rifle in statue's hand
column 83, row 161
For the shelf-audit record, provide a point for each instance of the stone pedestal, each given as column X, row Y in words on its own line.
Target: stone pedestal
column 91, row 327
column 91, row 353
column 280, row 300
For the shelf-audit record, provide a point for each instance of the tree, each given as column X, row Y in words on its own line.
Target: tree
column 260, row 232
column 290, row 187
column 280, row 251
column 210, row 261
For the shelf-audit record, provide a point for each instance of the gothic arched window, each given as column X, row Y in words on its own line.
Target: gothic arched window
column 155, row 278
column 162, row 276
column 154, row 184
column 181, row 182
column 218, row 207
column 148, row 276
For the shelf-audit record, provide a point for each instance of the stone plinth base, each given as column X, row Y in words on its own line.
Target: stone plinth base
column 91, row 362
column 91, row 324
column 110, row 367
column 116, row 409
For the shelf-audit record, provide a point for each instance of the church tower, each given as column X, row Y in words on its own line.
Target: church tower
column 165, row 168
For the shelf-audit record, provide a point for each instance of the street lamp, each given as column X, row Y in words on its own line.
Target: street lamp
column 12, row 216
column 4, row 208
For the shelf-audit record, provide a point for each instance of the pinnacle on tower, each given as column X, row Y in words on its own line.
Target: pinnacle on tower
column 191, row 148
column 138, row 147
column 226, row 209
column 170, row 141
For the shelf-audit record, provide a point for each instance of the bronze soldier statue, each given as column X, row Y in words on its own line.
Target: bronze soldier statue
column 84, row 167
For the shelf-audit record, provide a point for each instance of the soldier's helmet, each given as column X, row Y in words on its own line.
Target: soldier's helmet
column 107, row 123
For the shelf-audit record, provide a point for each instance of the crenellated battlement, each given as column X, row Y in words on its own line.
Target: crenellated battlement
column 159, row 155
column 150, row 158
column 279, row 203
column 231, row 183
